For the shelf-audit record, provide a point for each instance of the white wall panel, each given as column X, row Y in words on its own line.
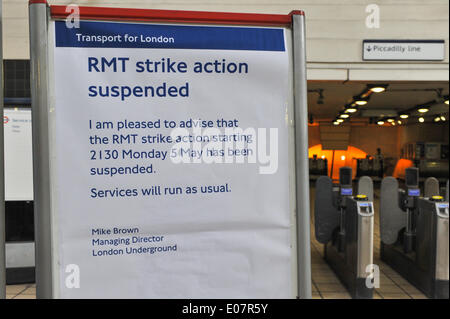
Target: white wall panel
column 335, row 28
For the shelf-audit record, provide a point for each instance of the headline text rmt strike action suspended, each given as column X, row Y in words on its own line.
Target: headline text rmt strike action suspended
column 164, row 65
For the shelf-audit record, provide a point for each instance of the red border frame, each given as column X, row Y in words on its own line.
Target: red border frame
column 175, row 16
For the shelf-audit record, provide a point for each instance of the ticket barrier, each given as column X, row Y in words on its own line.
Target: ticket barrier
column 344, row 224
column 414, row 233
column 370, row 167
column 317, row 167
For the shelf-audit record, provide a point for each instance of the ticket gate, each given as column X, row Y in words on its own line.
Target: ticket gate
column 317, row 167
column 414, row 233
column 370, row 166
column 344, row 224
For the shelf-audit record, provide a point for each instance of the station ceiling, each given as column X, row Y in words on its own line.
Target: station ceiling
column 399, row 96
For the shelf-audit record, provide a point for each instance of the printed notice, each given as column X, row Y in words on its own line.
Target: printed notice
column 171, row 161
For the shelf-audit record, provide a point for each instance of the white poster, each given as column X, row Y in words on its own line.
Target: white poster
column 171, row 161
column 18, row 155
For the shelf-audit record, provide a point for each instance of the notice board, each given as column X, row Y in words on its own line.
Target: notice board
column 171, row 151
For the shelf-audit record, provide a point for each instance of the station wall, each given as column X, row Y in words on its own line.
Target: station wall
column 420, row 132
column 367, row 139
column 313, row 135
column 335, row 31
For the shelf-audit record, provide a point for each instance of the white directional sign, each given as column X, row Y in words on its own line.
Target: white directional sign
column 406, row 50
column 18, row 156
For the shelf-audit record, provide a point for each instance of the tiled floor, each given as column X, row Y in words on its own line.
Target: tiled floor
column 325, row 284
column 21, row 291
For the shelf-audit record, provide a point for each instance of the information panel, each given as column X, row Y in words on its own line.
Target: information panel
column 18, row 155
column 171, row 161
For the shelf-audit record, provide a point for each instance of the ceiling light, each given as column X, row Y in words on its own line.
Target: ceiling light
column 377, row 88
column 390, row 120
column 399, row 122
column 380, row 122
column 344, row 116
column 351, row 110
column 446, row 99
column 336, row 123
column 443, row 118
column 361, row 102
column 404, row 116
column 423, row 110
column 339, row 120
column 437, row 119
column 421, row 119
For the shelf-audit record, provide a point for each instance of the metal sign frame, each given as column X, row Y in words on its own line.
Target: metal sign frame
column 2, row 179
column 40, row 14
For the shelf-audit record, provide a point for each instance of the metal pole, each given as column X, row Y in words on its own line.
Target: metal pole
column 408, row 235
column 2, row 178
column 332, row 165
column 301, row 157
column 41, row 167
column 341, row 242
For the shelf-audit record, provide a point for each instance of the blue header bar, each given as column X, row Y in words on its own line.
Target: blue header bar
column 127, row 35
